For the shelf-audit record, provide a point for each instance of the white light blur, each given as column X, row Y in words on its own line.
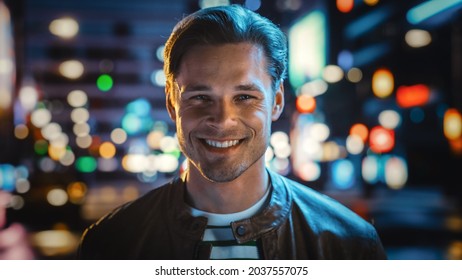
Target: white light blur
column 332, row 73
column 68, row 158
column 312, row 148
column 269, row 155
column 77, row 98
column 314, row 88
column 389, row 119
column 212, row 3
column 83, row 141
column 57, row 197
column 17, row 202
column 134, row 163
column 417, row 38
column 40, row 117
column 71, row 69
column 28, row 97
column 319, row 131
column 279, row 139
column 60, row 140
column 158, row 78
column 118, row 136
column 282, row 151
column 309, row 171
column 154, row 138
column 81, row 129
column 51, row 130
column 6, row 66
column 168, row 144
column 65, row 27
column 80, row 115
column 354, row 144
column 167, row 163
column 22, row 185
column 330, row 151
column 396, row 173
column 370, row 169
column 160, row 53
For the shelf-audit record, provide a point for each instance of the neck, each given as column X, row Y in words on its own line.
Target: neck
column 226, row 197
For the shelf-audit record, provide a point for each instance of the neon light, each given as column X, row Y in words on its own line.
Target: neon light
column 367, row 23
column 429, row 9
column 307, row 48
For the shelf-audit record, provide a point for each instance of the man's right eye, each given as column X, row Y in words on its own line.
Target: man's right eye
column 200, row 97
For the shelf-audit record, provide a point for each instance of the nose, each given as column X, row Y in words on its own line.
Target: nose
column 223, row 114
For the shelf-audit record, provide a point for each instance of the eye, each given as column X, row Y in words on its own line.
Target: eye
column 243, row 97
column 200, row 97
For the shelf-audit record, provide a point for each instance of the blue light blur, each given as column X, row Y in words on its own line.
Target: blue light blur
column 429, row 9
column 7, row 177
column 140, row 107
column 345, row 60
column 367, row 23
column 343, row 173
column 370, row 54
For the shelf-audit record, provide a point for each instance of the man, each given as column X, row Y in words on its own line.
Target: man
column 225, row 68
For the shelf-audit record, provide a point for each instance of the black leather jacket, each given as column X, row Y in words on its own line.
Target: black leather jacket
column 297, row 223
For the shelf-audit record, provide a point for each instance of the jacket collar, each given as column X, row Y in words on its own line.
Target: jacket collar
column 271, row 217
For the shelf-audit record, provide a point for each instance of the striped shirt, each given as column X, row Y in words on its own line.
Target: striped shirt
column 220, row 234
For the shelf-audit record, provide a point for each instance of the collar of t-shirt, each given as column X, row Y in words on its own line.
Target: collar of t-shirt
column 215, row 219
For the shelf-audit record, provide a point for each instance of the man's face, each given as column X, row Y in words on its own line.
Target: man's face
column 223, row 104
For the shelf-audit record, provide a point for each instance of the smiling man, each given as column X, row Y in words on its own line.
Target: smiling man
column 225, row 68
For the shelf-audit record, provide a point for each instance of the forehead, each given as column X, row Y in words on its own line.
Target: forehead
column 224, row 61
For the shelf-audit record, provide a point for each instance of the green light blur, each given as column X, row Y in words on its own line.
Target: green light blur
column 104, row 82
column 307, row 48
column 41, row 147
column 86, row 164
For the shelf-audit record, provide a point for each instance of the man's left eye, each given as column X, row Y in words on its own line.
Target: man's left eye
column 244, row 97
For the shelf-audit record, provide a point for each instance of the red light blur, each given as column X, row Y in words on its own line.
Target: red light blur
column 381, row 140
column 345, row 6
column 306, row 104
column 411, row 96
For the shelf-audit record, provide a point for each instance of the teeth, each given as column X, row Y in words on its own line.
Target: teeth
column 223, row 144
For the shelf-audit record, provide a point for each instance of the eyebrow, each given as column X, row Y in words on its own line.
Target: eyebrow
column 200, row 87
column 249, row 87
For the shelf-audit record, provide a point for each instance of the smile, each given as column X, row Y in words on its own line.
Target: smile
column 222, row 144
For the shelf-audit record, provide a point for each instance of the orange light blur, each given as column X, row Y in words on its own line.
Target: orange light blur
column 383, row 83
column 381, row 140
column 360, row 130
column 371, row 2
column 452, row 124
column 411, row 96
column 345, row 6
column 107, row 150
column 306, row 104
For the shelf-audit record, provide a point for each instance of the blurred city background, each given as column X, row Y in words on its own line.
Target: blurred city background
column 372, row 117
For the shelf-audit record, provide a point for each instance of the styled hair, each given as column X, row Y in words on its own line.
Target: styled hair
column 227, row 24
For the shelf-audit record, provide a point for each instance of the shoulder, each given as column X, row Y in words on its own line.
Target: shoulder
column 123, row 223
column 323, row 212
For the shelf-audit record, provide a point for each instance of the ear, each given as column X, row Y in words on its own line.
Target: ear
column 278, row 105
column 170, row 101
